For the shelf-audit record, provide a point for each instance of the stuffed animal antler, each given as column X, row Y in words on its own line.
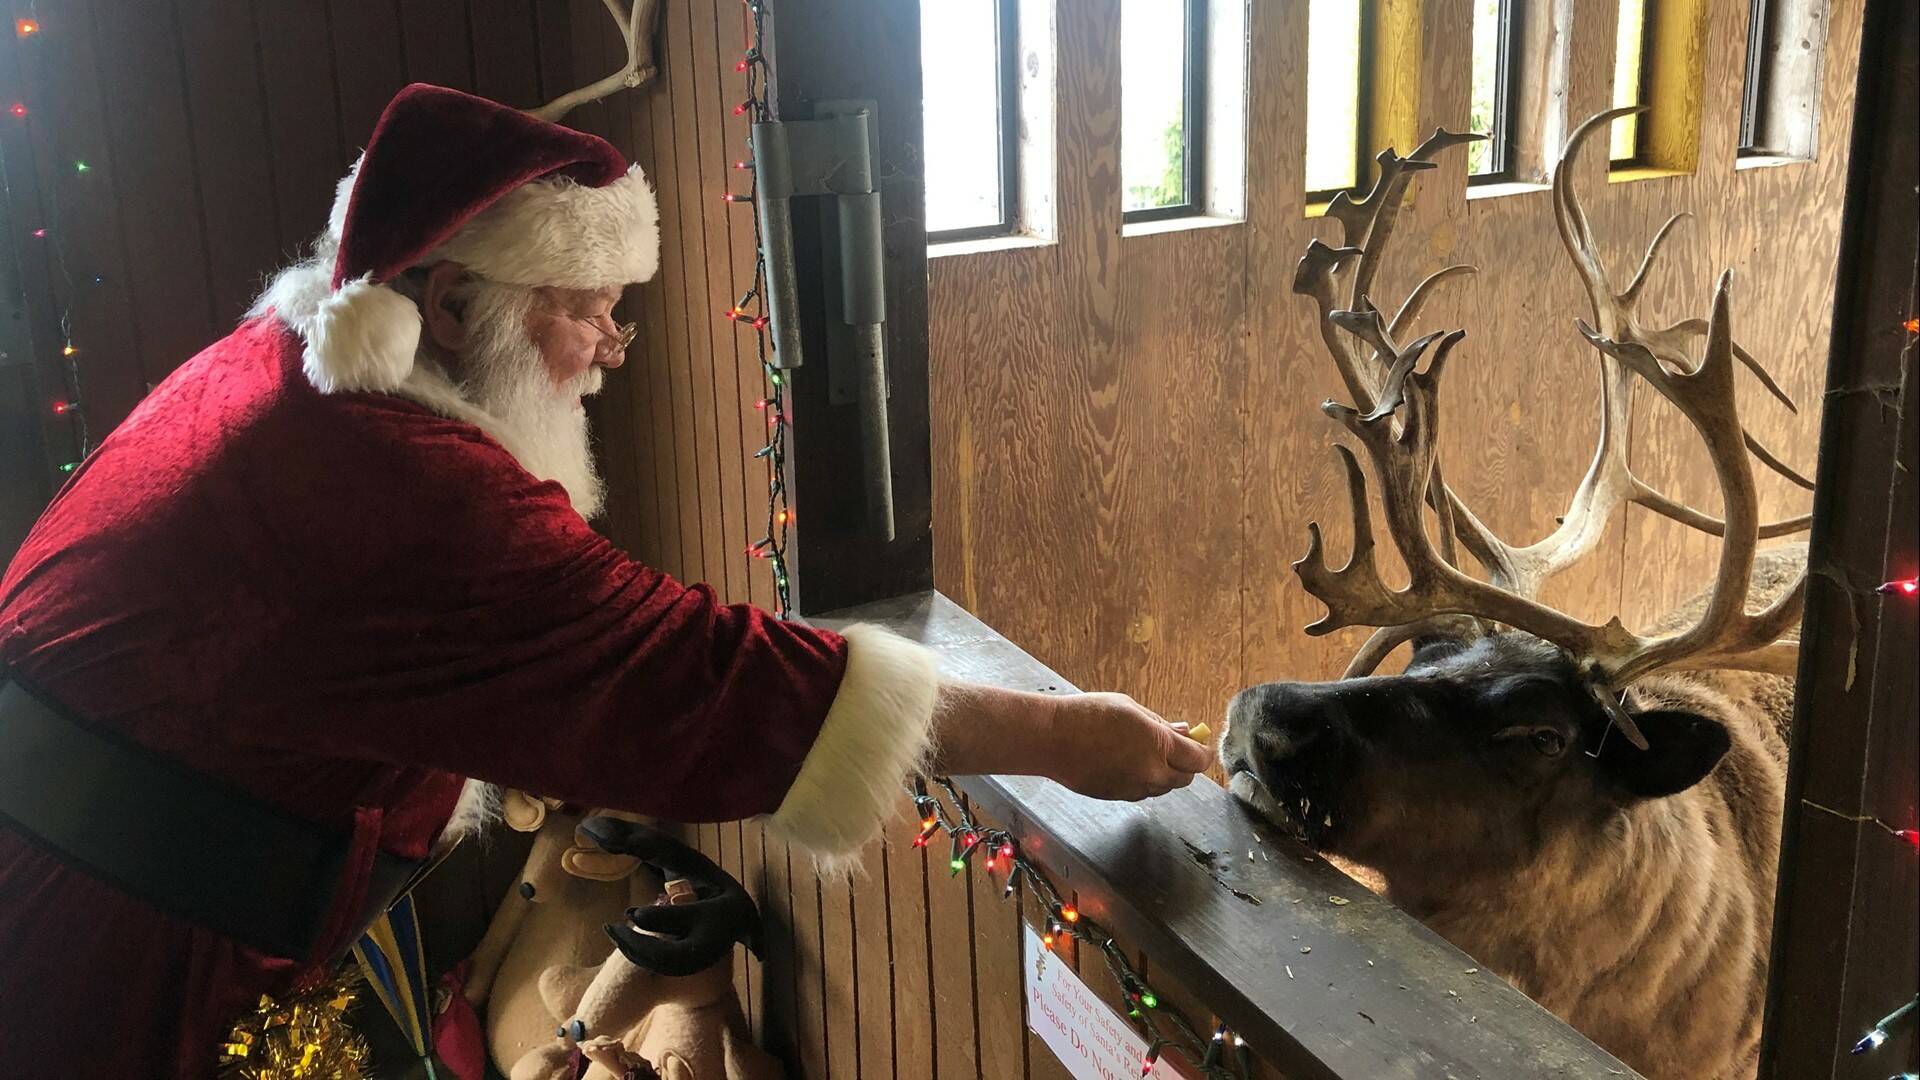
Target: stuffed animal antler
column 665, row 998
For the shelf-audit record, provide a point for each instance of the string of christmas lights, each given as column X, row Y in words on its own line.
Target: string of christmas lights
column 1164, row 1028
column 749, row 312
column 70, row 404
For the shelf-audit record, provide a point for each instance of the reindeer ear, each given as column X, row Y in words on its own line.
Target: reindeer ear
column 1682, row 748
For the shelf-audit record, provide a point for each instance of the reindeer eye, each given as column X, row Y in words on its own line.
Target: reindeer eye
column 1549, row 742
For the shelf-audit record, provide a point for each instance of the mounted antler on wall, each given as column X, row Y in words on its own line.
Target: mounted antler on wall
column 1396, row 416
column 639, row 23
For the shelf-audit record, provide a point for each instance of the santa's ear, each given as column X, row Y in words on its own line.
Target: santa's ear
column 1682, row 748
column 443, row 306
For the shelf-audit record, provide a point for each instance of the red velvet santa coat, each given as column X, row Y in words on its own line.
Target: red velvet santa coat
column 347, row 604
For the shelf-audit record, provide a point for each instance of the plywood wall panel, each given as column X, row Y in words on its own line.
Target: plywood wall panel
column 1039, row 438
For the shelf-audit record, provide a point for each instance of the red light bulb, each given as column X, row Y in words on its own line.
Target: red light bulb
column 39, row 233
column 741, row 109
column 26, row 28
column 61, row 408
column 18, row 109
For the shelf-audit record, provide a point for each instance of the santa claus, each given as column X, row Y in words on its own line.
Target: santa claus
column 336, row 569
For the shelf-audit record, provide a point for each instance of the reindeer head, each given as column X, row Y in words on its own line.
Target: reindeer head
column 1501, row 732
column 1483, row 754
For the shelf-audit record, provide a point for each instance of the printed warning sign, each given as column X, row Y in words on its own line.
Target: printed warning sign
column 1089, row 1038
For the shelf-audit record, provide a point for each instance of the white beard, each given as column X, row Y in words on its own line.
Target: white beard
column 544, row 427
column 508, row 393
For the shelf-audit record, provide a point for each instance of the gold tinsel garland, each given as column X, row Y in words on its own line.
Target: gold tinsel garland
column 304, row 1037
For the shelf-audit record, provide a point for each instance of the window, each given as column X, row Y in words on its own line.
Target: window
column 1163, row 50
column 1786, row 41
column 1751, row 102
column 1630, row 79
column 1336, row 97
column 969, row 56
column 1496, row 48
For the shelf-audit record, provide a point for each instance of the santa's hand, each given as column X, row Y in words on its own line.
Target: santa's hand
column 1109, row 746
column 1104, row 745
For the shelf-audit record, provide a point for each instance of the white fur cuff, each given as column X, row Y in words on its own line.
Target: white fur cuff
column 879, row 730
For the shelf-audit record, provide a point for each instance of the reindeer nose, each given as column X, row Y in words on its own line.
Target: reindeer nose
column 1278, row 720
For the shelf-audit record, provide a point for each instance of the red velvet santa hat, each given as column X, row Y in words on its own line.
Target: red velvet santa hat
column 515, row 199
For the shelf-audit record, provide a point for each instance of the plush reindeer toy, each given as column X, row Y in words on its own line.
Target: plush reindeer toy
column 663, row 1002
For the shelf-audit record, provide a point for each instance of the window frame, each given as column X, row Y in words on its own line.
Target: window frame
column 1363, row 113
column 1753, row 88
column 1006, row 15
column 1649, row 19
column 1193, row 133
column 1503, row 133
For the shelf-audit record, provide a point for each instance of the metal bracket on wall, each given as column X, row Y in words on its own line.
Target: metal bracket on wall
column 833, row 155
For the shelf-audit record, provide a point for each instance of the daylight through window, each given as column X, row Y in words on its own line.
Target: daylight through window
column 967, row 56
column 1496, row 25
column 1335, row 119
column 1162, row 80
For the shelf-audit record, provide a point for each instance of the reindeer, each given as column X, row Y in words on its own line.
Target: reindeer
column 1592, row 813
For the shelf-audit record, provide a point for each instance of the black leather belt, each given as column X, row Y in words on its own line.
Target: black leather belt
column 184, row 842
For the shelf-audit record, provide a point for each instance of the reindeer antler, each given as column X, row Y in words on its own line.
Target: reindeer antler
column 637, row 22
column 1396, row 417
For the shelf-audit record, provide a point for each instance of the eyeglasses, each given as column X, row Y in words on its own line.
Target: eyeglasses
column 621, row 336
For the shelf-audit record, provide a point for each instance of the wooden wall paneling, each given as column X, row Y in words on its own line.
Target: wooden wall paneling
column 840, row 990
column 368, row 48
column 166, row 252
column 950, row 942
column 916, row 1027
column 780, row 996
column 221, row 81
column 436, row 37
column 717, row 382
column 694, row 443
column 33, row 374
column 747, row 380
column 752, row 875
column 307, row 149
column 810, row 995
column 1176, row 449
column 873, row 1001
column 1273, row 481
column 67, row 125
column 677, row 183
column 624, row 413
column 729, row 856
column 506, row 53
column 1000, row 981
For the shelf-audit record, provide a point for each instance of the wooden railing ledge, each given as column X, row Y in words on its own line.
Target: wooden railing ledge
column 1318, row 987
